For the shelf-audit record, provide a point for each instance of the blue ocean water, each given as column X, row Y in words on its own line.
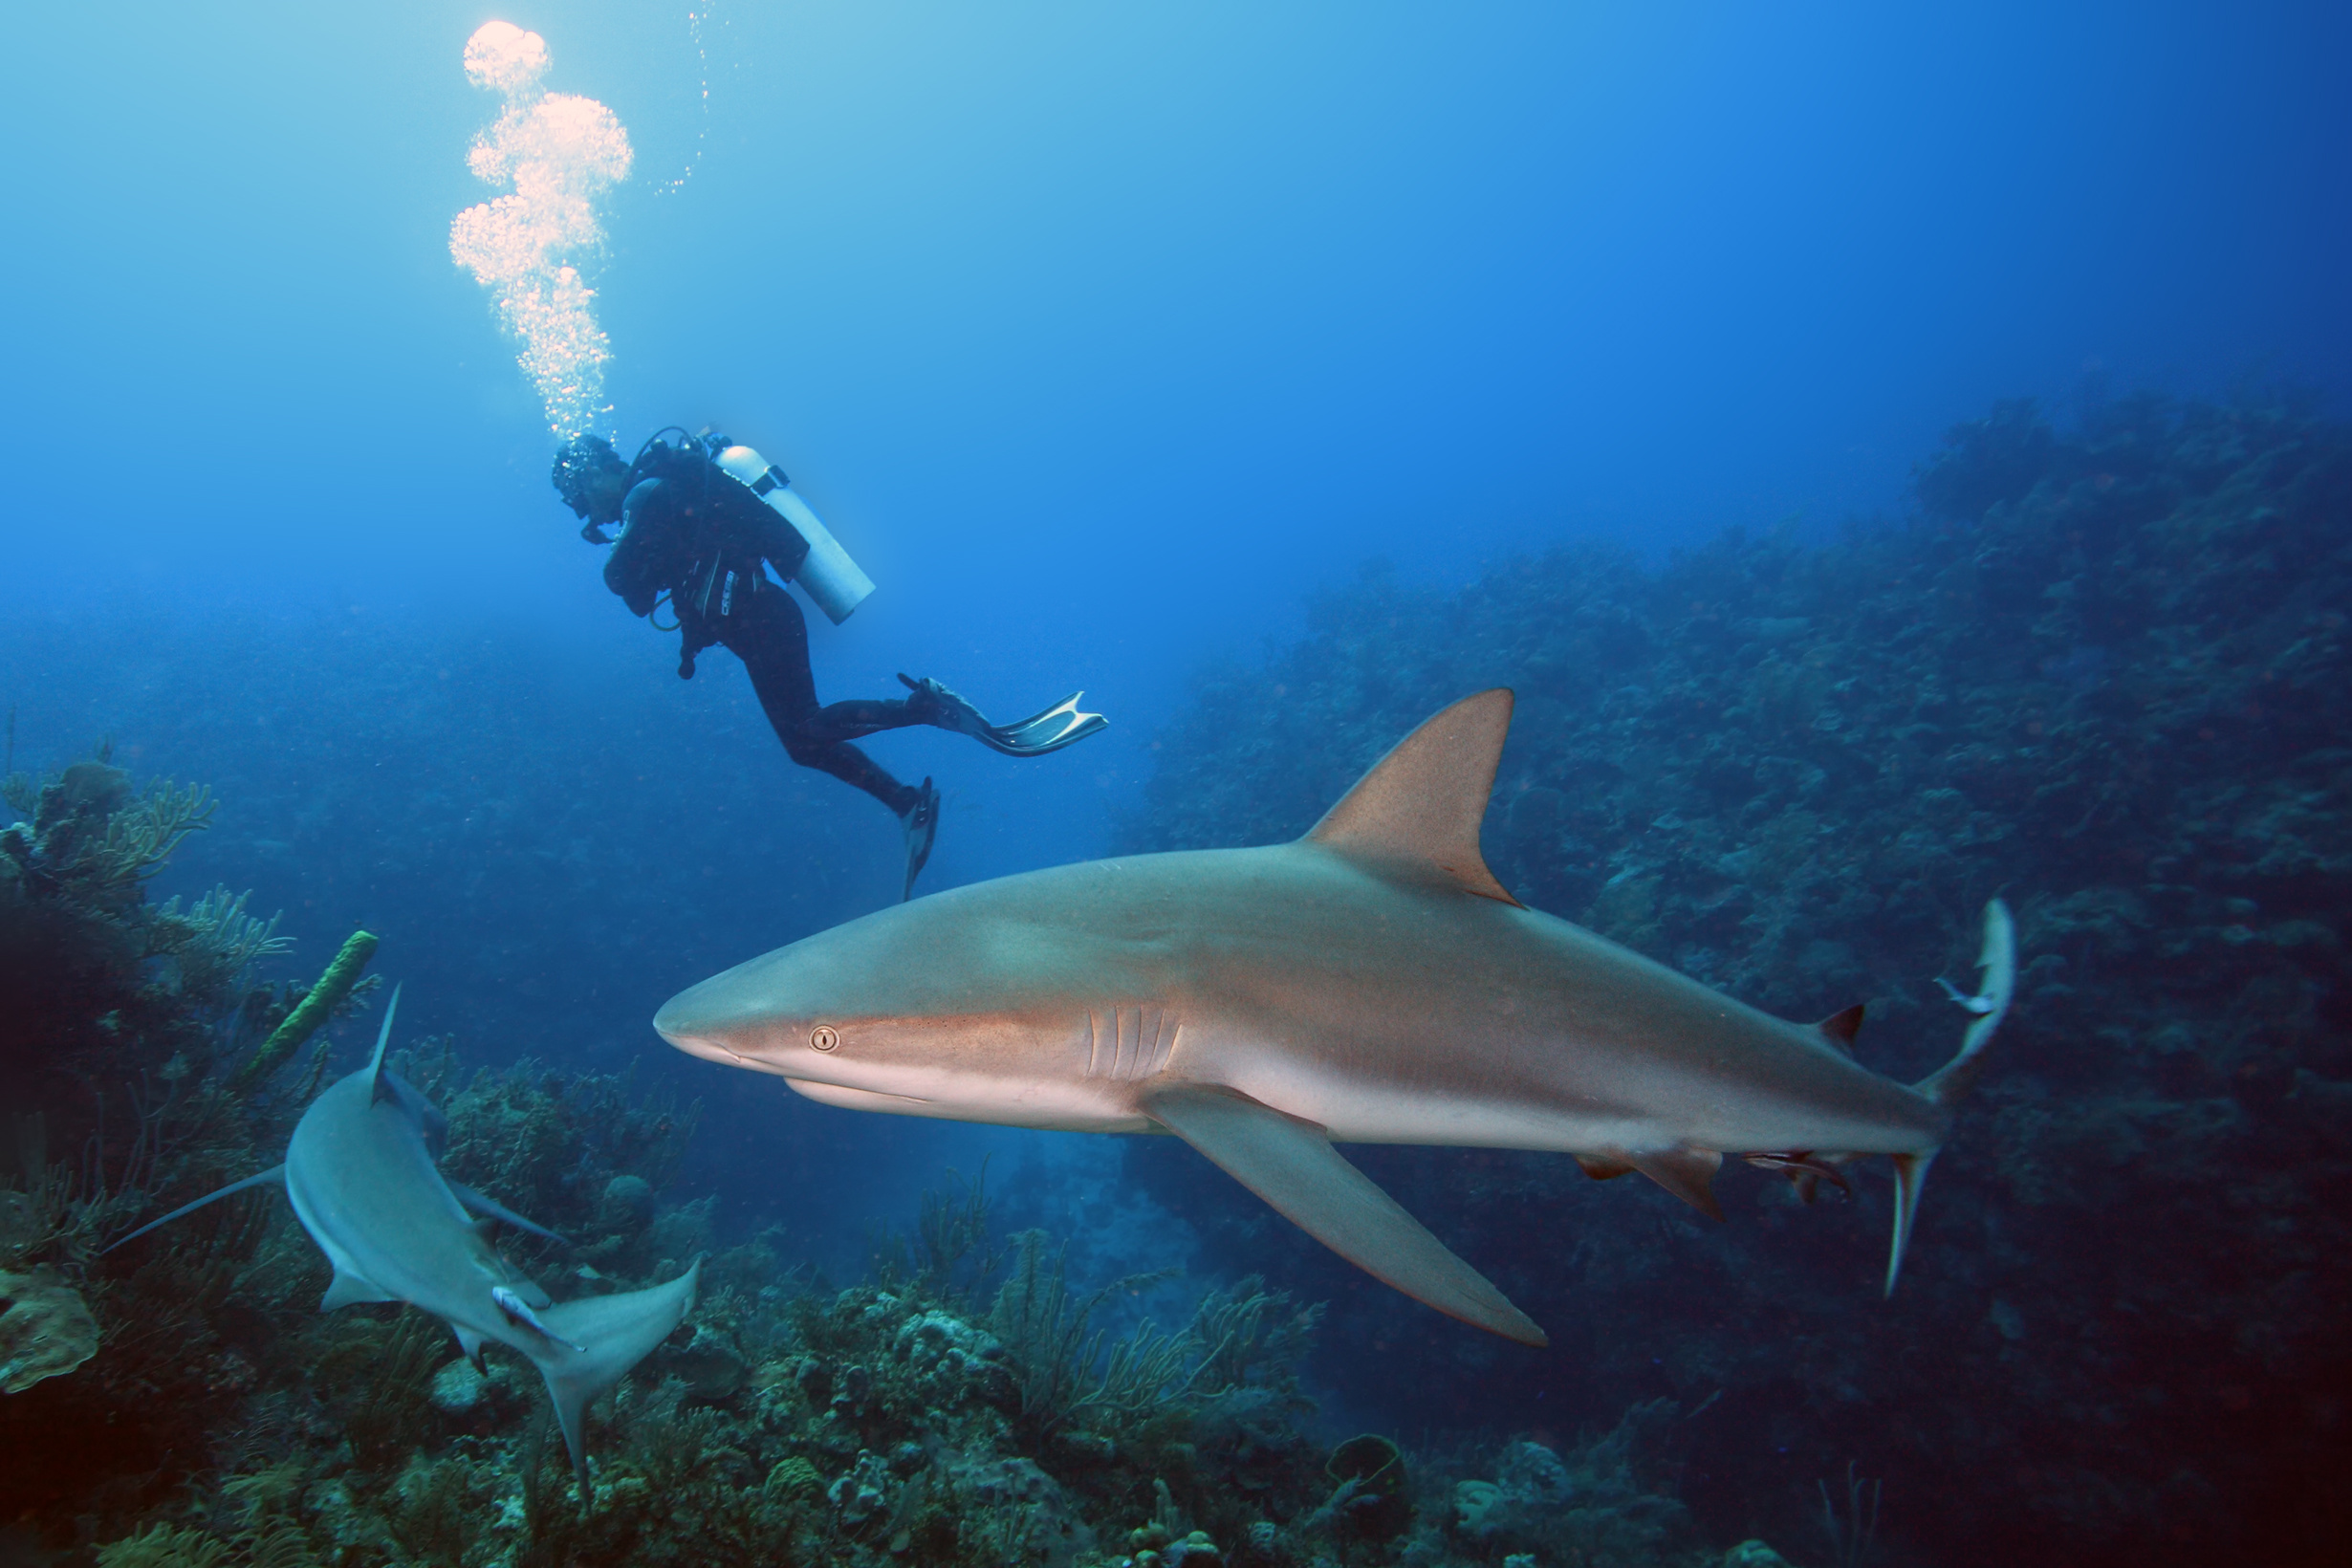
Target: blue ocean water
column 1107, row 339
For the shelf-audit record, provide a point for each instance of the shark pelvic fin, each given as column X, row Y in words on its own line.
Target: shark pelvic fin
column 1292, row 1164
column 1841, row 1027
column 1424, row 801
column 383, row 1038
column 470, row 1343
column 349, row 1289
column 1602, row 1167
column 1689, row 1174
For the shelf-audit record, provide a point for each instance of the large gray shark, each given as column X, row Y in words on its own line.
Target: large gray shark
column 1370, row 983
column 361, row 1172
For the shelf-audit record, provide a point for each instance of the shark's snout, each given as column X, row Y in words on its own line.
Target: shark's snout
column 695, row 1030
column 734, row 1020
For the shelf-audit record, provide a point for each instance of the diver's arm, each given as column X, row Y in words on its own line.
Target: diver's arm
column 635, row 569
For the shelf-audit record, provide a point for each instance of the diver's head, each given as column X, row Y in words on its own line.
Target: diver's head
column 593, row 482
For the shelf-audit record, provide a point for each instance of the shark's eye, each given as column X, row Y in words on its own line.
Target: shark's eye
column 823, row 1037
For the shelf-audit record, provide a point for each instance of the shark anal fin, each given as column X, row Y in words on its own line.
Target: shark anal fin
column 1292, row 1164
column 1689, row 1174
column 1841, row 1027
column 1421, row 804
column 1602, row 1169
column 349, row 1289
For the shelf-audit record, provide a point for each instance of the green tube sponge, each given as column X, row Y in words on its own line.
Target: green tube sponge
column 311, row 1012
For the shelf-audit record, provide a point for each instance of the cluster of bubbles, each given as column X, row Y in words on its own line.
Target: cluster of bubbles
column 560, row 152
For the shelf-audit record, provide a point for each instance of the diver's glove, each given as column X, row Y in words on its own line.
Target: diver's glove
column 921, row 820
column 1058, row 725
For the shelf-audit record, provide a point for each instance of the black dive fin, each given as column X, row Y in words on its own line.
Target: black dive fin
column 922, row 825
column 1058, row 725
column 1292, row 1164
column 383, row 1038
column 275, row 1173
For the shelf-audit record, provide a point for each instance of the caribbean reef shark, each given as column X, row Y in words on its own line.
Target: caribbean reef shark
column 361, row 1172
column 1371, row 982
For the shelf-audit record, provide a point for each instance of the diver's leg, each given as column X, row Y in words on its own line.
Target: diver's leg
column 766, row 631
column 932, row 704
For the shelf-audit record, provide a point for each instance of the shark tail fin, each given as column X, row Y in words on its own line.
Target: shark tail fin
column 383, row 1038
column 591, row 1343
column 1948, row 1084
column 275, row 1173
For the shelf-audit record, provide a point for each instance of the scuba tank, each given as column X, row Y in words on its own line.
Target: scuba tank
column 828, row 576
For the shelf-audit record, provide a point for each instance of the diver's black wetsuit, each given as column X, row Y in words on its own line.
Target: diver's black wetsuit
column 691, row 533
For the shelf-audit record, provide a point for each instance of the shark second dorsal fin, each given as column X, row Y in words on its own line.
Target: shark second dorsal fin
column 383, row 1038
column 1424, row 801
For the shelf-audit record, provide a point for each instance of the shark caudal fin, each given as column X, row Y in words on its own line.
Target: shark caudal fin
column 586, row 1346
column 1948, row 1084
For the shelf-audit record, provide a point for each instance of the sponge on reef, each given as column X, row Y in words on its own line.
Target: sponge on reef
column 45, row 1331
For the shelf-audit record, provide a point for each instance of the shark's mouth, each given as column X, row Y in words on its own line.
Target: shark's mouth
column 855, row 1099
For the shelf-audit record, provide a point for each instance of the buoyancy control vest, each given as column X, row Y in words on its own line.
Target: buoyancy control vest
column 700, row 464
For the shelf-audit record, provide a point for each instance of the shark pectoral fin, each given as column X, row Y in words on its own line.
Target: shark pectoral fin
column 613, row 1333
column 1292, row 1164
column 1422, row 802
column 1601, row 1167
column 349, row 1289
column 1689, row 1174
column 490, row 1209
column 275, row 1173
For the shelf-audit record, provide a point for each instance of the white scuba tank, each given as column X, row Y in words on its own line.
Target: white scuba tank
column 828, row 576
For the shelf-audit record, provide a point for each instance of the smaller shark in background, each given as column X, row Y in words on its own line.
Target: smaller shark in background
column 1371, row 983
column 361, row 1172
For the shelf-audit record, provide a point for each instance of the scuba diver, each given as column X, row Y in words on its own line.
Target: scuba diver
column 698, row 516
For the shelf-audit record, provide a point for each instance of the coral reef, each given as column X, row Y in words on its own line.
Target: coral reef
column 2103, row 671
column 182, row 1401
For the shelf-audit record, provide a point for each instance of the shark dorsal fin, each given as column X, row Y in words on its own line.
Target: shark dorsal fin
column 1424, row 801
column 383, row 1038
